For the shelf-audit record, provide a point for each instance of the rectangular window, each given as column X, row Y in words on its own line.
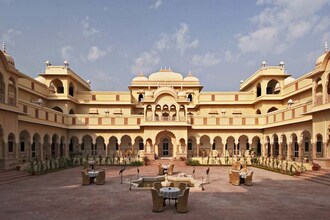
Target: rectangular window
column 319, row 147
column 306, row 146
column 190, row 146
column 141, row 146
column 22, row 146
column 10, row 146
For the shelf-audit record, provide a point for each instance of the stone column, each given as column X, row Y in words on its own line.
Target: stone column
column 41, row 151
column 5, row 151
column 280, row 146
column 272, row 146
column 198, row 144
column 313, row 153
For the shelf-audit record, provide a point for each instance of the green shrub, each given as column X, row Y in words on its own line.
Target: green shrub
column 136, row 163
column 192, row 162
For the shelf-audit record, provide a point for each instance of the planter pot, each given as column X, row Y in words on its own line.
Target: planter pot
column 297, row 173
column 315, row 168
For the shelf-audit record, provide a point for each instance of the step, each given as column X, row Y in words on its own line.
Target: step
column 10, row 175
column 5, row 182
column 326, row 183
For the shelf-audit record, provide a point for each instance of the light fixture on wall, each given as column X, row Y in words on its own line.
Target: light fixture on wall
column 290, row 102
column 107, row 112
column 223, row 111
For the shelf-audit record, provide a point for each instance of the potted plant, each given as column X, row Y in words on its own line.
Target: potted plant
column 315, row 167
column 18, row 167
column 146, row 160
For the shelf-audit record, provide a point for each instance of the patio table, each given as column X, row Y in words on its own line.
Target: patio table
column 169, row 193
column 92, row 175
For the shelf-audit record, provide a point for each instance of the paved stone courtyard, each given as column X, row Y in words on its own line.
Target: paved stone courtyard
column 60, row 195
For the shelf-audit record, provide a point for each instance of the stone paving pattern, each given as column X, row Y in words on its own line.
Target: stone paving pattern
column 60, row 195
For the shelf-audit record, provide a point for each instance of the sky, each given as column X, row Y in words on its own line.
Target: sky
column 109, row 42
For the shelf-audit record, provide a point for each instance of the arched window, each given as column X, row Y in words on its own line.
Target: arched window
column 72, row 112
column 56, row 86
column 258, row 90
column 12, row 92
column 71, row 89
column 272, row 109
column 258, row 112
column 213, row 145
column 189, row 98
column 2, row 89
column 319, row 144
column 273, row 87
column 190, row 144
column 306, row 144
column 140, row 99
column 11, row 139
column 141, row 145
column 56, row 108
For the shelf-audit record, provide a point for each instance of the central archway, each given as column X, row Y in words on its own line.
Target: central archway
column 164, row 144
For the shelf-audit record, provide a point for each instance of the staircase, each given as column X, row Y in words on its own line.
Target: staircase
column 12, row 175
column 321, row 176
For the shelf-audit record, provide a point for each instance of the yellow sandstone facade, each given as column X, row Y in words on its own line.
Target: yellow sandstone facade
column 164, row 114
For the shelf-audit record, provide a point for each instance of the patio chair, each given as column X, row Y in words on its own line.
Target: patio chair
column 100, row 178
column 237, row 165
column 244, row 168
column 160, row 169
column 85, row 178
column 86, row 165
column 182, row 186
column 182, row 202
column 230, row 175
column 248, row 179
column 157, row 201
column 235, row 177
column 157, row 186
column 170, row 169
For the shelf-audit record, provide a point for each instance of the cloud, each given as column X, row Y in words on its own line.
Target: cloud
column 209, row 59
column 281, row 23
column 181, row 38
column 95, row 53
column 156, row 4
column 88, row 31
column 9, row 35
column 66, row 52
column 146, row 62
column 163, row 43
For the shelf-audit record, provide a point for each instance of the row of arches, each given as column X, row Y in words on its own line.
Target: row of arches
column 35, row 146
column 11, row 90
column 165, row 113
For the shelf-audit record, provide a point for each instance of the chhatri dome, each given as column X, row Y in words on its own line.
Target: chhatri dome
column 191, row 78
column 321, row 58
column 140, row 78
column 9, row 58
column 165, row 75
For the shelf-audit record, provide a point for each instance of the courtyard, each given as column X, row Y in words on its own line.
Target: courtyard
column 60, row 195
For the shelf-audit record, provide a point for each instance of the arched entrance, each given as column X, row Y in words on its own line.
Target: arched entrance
column 165, row 141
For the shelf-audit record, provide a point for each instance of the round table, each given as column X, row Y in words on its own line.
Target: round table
column 170, row 192
column 92, row 175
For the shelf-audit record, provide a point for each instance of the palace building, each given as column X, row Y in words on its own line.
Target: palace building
column 164, row 114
